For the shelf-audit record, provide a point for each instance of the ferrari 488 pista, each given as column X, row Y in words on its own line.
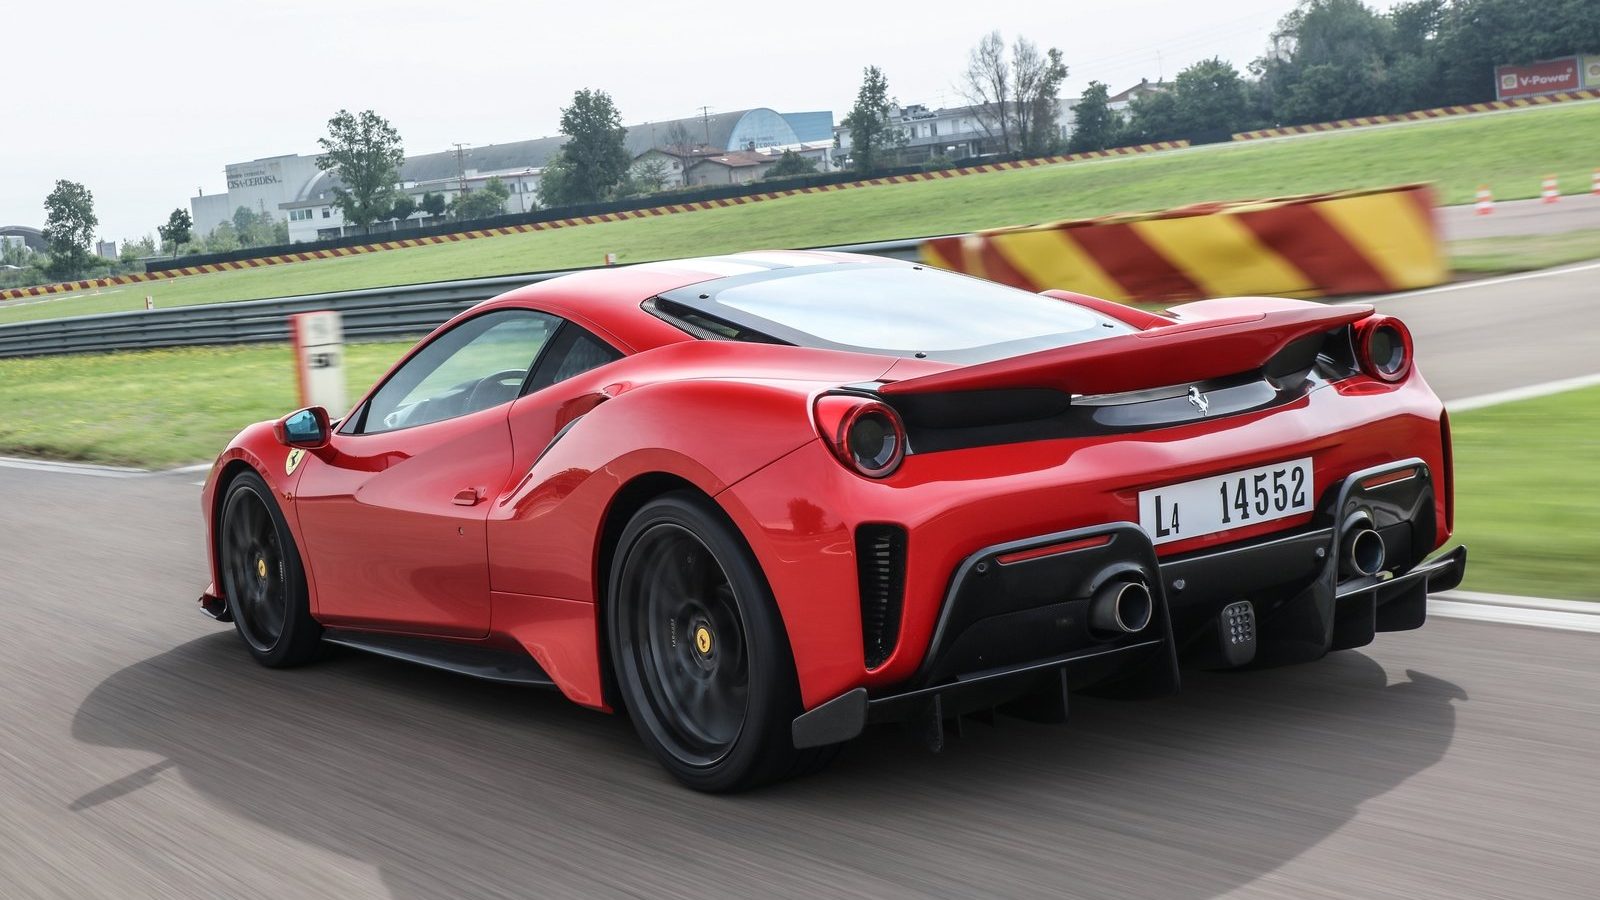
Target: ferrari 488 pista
column 762, row 501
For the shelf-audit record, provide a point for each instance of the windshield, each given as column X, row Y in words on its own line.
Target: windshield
column 899, row 310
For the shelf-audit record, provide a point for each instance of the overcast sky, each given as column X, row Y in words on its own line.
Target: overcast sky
column 145, row 102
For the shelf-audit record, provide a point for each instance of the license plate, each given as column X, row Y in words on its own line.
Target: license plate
column 1209, row 505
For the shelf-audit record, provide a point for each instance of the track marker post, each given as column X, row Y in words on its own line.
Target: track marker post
column 318, row 339
column 1551, row 191
column 1485, row 200
column 150, row 302
column 1594, row 183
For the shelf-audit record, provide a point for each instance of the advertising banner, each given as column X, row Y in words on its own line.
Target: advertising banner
column 1591, row 71
column 1545, row 77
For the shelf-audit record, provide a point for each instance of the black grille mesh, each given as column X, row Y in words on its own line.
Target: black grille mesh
column 881, row 569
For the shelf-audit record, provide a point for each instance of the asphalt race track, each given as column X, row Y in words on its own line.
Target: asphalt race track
column 142, row 754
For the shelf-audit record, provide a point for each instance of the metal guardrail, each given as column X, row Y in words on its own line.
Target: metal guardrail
column 373, row 313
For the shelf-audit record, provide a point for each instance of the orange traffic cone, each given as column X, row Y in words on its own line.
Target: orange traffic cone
column 1551, row 192
column 1485, row 200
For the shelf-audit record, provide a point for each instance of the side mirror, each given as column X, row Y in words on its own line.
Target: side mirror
column 307, row 429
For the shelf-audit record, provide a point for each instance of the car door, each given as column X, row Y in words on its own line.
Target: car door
column 525, row 543
column 394, row 510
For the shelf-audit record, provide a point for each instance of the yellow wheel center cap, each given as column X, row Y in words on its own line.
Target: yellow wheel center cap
column 261, row 567
column 702, row 640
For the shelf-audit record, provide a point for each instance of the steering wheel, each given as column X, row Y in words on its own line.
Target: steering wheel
column 508, row 381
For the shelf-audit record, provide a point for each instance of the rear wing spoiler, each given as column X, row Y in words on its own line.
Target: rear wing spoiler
column 1160, row 356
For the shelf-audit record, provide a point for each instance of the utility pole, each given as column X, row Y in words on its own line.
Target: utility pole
column 705, row 119
column 461, row 166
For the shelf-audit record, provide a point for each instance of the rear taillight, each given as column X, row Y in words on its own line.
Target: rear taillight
column 865, row 434
column 1383, row 347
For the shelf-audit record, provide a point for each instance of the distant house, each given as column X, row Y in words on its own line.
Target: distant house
column 1120, row 102
column 733, row 167
column 675, row 162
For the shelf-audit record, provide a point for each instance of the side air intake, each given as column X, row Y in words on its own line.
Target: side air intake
column 881, row 570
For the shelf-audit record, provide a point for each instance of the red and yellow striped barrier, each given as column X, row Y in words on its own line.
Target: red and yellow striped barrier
column 1354, row 242
column 1419, row 115
column 650, row 212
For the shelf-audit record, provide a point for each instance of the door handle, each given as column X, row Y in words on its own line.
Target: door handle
column 469, row 496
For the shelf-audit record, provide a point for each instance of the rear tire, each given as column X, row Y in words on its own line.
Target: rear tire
column 262, row 577
column 700, row 654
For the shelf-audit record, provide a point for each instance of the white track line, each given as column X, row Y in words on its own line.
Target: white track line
column 66, row 468
column 1539, row 612
column 1543, row 389
column 1480, row 283
column 95, row 471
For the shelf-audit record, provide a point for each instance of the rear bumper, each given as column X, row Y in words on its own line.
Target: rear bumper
column 1014, row 626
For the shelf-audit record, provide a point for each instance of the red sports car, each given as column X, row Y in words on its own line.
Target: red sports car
column 763, row 500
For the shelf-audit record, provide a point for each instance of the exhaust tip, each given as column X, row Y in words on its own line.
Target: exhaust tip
column 1363, row 552
column 1121, row 607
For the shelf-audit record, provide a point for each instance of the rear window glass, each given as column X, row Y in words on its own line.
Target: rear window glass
column 899, row 310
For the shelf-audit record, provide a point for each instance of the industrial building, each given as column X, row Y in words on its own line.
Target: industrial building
column 292, row 187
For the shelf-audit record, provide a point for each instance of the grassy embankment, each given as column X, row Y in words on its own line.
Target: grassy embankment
column 1528, row 492
column 1510, row 151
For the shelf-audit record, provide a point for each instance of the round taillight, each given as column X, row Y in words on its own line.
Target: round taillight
column 865, row 434
column 1383, row 347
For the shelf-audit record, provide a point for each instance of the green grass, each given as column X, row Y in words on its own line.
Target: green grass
column 1510, row 151
column 155, row 408
column 1523, row 253
column 1528, row 495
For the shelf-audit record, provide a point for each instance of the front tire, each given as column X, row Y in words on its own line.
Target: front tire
column 262, row 577
column 699, row 650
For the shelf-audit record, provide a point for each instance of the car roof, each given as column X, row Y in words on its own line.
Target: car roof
column 610, row 300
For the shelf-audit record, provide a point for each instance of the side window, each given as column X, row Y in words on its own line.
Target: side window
column 479, row 364
column 574, row 352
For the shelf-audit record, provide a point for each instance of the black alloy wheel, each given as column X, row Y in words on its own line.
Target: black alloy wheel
column 684, row 627
column 700, row 652
column 262, row 579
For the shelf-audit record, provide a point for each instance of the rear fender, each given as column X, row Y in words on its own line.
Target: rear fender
column 546, row 532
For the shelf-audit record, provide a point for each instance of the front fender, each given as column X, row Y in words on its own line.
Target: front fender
column 258, row 449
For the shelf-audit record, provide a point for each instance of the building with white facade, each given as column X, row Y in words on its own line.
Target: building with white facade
column 294, row 188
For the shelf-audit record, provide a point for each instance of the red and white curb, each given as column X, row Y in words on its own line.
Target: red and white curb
column 1537, row 612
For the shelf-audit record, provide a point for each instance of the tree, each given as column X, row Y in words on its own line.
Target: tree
column 680, row 140
column 1095, row 126
column 556, row 184
column 176, row 232
column 594, row 158
column 403, row 207
column 135, row 250
column 1038, row 80
column 872, row 135
column 223, row 239
column 69, row 228
column 364, row 152
column 1211, row 101
column 790, row 164
column 1014, row 97
column 987, row 88
column 1155, row 116
column 255, row 229
column 433, row 204
column 647, row 176
column 485, row 202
